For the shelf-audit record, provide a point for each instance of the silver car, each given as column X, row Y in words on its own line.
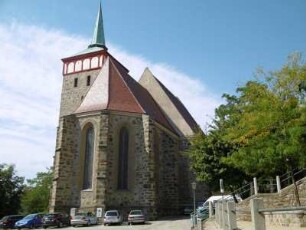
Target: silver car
column 84, row 219
column 136, row 216
column 113, row 217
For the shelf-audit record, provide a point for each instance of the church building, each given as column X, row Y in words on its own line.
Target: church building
column 119, row 142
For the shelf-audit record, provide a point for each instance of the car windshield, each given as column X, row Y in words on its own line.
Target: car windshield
column 136, row 212
column 31, row 216
column 111, row 214
column 81, row 214
column 206, row 204
column 50, row 215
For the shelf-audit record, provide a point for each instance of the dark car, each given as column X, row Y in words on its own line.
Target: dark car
column 9, row 221
column 187, row 210
column 56, row 219
column 30, row 221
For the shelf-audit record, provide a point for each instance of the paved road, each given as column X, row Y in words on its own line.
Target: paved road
column 180, row 223
column 245, row 225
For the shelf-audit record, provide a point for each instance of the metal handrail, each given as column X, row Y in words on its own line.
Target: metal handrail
column 302, row 171
column 267, row 185
column 243, row 189
column 285, row 180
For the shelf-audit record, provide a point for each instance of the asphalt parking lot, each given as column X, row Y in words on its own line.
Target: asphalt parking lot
column 175, row 223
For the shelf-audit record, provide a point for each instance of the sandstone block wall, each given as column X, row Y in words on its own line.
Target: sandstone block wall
column 153, row 165
column 63, row 160
column 71, row 96
column 287, row 219
column 285, row 198
column 167, row 166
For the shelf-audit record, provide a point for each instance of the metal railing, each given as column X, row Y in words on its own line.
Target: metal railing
column 286, row 178
column 245, row 191
column 267, row 185
column 270, row 185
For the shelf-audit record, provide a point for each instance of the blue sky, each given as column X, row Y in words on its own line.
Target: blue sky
column 220, row 42
column 199, row 49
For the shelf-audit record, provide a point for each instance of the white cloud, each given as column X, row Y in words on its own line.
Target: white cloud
column 30, row 88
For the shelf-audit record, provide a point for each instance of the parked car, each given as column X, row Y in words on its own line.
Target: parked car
column 30, row 221
column 136, row 216
column 83, row 219
column 9, row 221
column 113, row 217
column 187, row 210
column 202, row 213
column 56, row 219
column 214, row 199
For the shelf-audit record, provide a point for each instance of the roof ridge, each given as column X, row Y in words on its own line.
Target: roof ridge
column 184, row 113
column 175, row 101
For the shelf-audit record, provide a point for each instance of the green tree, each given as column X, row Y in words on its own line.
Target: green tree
column 37, row 193
column 257, row 130
column 269, row 122
column 11, row 189
column 206, row 152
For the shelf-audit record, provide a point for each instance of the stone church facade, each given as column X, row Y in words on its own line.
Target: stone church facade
column 119, row 142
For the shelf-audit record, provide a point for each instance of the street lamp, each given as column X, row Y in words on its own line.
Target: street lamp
column 194, row 186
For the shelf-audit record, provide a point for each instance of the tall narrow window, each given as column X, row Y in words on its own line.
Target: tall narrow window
column 75, row 82
column 88, row 80
column 123, row 159
column 88, row 163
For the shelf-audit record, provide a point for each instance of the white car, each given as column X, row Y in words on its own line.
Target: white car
column 113, row 217
column 84, row 219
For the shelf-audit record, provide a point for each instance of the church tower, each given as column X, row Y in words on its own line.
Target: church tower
column 118, row 141
column 81, row 70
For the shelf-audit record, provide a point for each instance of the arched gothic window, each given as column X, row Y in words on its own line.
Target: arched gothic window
column 123, row 159
column 88, row 162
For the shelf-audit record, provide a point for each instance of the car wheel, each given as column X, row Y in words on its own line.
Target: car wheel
column 44, row 227
column 60, row 224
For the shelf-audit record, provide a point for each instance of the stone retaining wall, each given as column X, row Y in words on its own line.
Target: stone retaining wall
column 285, row 198
column 288, row 218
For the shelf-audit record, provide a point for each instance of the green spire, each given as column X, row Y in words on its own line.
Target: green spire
column 98, row 39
